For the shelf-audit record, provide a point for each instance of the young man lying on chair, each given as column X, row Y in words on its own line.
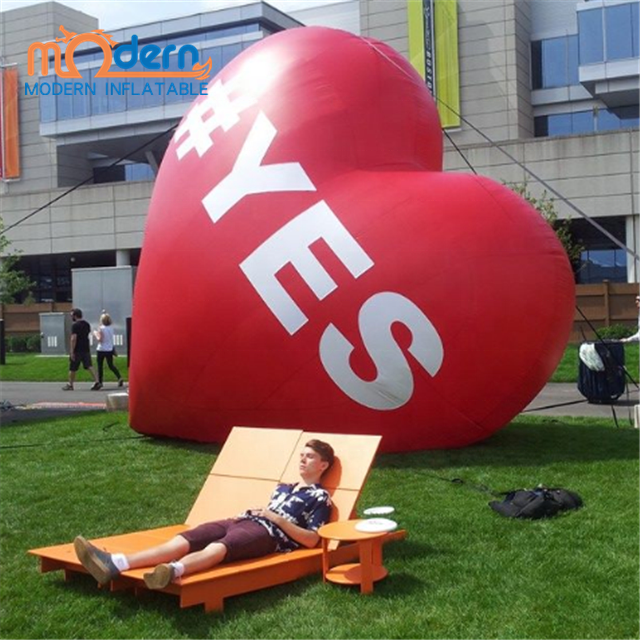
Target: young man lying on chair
column 291, row 519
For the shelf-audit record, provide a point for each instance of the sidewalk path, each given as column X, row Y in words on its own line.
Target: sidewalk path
column 572, row 403
column 23, row 401
column 39, row 400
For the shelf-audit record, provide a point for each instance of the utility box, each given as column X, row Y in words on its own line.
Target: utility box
column 107, row 289
column 55, row 328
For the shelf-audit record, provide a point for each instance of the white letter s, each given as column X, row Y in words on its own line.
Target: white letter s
column 393, row 386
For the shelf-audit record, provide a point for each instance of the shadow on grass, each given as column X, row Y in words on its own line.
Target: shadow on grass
column 530, row 442
column 192, row 622
column 195, row 623
column 18, row 417
column 210, row 448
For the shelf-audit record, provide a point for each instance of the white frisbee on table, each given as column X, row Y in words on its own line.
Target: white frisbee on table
column 376, row 525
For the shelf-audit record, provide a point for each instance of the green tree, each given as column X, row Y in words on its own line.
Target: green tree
column 562, row 227
column 12, row 280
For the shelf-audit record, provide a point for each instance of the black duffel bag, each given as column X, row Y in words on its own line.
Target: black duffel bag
column 541, row 502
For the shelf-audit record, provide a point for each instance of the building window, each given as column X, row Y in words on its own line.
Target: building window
column 126, row 172
column 564, row 124
column 635, row 29
column 554, row 62
column 617, row 118
column 138, row 171
column 582, row 122
column 601, row 259
column 618, row 32
column 597, row 265
column 598, row 119
column 609, row 34
column 108, row 174
column 590, row 36
column 607, row 120
column 48, row 111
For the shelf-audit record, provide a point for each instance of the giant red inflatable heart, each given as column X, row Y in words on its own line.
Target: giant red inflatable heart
column 306, row 263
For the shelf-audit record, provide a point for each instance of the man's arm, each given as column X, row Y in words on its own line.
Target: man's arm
column 72, row 346
column 302, row 536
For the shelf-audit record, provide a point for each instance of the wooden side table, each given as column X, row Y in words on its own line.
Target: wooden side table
column 364, row 573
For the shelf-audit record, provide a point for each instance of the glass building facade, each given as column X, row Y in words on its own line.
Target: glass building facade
column 606, row 34
column 591, row 121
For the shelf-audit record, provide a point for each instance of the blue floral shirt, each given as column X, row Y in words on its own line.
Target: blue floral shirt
column 308, row 507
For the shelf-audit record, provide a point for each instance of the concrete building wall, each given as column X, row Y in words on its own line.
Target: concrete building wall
column 494, row 61
column 553, row 18
column 494, row 70
column 386, row 20
column 598, row 172
column 93, row 218
column 343, row 15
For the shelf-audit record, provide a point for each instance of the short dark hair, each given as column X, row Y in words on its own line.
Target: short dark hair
column 324, row 450
column 77, row 313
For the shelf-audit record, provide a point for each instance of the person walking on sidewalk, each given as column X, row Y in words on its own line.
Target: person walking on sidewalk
column 106, row 349
column 80, row 351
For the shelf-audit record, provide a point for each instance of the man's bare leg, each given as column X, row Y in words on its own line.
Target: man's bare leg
column 105, row 566
column 165, row 573
column 165, row 552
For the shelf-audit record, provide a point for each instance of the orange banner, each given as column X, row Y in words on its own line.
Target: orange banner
column 10, row 163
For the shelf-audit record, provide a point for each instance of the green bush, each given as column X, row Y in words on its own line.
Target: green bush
column 24, row 344
column 616, row 332
column 33, row 343
column 17, row 344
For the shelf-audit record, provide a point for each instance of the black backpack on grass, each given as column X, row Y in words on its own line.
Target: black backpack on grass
column 541, row 502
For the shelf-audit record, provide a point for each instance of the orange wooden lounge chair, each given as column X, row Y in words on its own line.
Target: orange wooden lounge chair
column 243, row 477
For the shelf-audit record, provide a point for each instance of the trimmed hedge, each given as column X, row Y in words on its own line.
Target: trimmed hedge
column 24, row 344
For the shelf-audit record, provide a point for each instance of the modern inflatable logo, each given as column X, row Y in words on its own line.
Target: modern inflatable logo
column 153, row 59
column 308, row 264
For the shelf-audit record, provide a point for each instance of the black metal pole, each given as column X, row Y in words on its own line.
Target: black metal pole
column 3, row 346
column 128, row 321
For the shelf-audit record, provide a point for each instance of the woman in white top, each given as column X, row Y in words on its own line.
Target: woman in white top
column 106, row 349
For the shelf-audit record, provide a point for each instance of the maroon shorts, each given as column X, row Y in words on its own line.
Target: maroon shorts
column 243, row 538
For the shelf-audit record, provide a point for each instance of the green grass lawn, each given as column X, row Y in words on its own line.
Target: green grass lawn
column 463, row 572
column 32, row 367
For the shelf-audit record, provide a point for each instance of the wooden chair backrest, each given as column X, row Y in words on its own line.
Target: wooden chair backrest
column 253, row 460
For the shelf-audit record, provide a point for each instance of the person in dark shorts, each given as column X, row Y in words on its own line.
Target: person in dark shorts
column 80, row 351
column 291, row 519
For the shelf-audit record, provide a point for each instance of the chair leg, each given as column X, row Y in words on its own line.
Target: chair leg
column 214, row 604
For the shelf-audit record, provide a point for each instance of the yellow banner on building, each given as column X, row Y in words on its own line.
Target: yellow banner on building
column 433, row 52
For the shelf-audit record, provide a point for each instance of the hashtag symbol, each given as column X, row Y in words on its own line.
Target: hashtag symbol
column 216, row 111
